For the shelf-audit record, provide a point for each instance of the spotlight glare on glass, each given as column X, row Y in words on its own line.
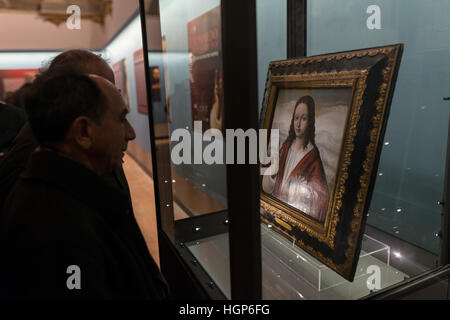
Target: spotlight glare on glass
column 386, row 143
column 300, row 295
column 397, row 254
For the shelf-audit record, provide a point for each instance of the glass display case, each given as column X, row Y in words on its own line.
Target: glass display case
column 213, row 65
column 290, row 273
column 198, row 196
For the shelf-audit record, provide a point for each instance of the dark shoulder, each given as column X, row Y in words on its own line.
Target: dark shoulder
column 13, row 114
column 25, row 140
column 21, row 148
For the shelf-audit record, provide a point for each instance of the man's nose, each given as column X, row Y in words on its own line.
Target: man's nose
column 130, row 134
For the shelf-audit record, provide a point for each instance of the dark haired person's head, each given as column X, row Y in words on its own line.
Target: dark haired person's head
column 84, row 61
column 303, row 121
column 82, row 116
column 81, row 60
column 18, row 98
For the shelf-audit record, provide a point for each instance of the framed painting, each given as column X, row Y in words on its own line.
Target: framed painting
column 139, row 74
column 12, row 80
column 121, row 77
column 206, row 69
column 155, row 83
column 330, row 112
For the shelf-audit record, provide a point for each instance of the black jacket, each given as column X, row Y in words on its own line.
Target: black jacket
column 60, row 214
column 18, row 156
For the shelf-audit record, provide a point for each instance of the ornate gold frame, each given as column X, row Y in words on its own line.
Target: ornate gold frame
column 361, row 76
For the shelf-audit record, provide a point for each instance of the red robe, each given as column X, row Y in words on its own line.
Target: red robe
column 311, row 169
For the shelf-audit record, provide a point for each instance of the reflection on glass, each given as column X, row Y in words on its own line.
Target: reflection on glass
column 187, row 92
column 192, row 68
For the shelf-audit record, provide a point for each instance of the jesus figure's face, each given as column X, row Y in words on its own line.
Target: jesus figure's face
column 301, row 120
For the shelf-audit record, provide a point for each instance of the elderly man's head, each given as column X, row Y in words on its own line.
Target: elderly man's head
column 84, row 61
column 81, row 115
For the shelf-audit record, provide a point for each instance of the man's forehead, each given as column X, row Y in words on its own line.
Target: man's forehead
column 110, row 91
column 100, row 68
column 96, row 77
column 105, row 85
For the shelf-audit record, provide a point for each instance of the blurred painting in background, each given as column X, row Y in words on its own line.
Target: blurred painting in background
column 12, row 80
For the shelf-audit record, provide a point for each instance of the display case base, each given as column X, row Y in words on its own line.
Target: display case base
column 291, row 273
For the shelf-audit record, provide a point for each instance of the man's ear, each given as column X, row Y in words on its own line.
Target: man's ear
column 82, row 132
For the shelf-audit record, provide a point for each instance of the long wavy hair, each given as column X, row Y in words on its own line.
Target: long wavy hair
column 311, row 129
